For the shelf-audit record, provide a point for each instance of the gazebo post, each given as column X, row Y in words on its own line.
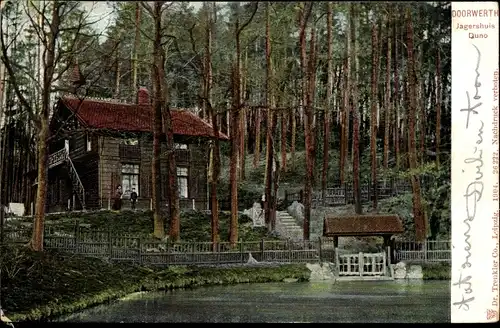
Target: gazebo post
column 387, row 242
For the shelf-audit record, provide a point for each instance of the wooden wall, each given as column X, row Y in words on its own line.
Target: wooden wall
column 110, row 169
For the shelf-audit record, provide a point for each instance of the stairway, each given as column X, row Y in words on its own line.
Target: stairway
column 60, row 157
column 288, row 227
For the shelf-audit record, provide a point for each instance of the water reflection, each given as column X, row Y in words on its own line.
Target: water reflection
column 393, row 301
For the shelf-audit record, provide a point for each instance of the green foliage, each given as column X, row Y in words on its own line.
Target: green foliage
column 402, row 206
column 248, row 193
column 437, row 196
column 436, row 271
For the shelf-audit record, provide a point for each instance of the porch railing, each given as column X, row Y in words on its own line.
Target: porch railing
column 60, row 157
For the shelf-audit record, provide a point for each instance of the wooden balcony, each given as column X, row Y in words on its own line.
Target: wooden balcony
column 132, row 152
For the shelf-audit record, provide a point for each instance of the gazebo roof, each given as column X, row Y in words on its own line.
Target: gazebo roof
column 362, row 225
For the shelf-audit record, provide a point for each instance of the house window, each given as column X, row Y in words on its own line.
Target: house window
column 182, row 181
column 180, row 146
column 88, row 142
column 130, row 178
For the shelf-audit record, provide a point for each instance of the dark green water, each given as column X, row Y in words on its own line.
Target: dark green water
column 377, row 301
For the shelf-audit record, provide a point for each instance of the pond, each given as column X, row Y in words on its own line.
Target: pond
column 357, row 301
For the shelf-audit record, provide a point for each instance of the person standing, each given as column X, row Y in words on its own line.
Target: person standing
column 117, row 205
column 133, row 198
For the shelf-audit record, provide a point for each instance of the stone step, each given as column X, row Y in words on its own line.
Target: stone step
column 289, row 222
column 291, row 225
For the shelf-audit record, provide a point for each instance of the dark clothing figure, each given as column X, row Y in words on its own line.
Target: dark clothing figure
column 133, row 199
column 117, row 205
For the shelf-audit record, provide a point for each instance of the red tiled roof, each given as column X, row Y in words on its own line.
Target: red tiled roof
column 114, row 115
column 362, row 225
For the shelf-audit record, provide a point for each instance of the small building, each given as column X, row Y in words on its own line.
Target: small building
column 368, row 225
column 99, row 144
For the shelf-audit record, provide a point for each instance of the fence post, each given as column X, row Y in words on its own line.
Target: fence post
column 289, row 246
column 77, row 236
column 345, row 193
column 262, row 249
column 384, row 263
column 320, row 252
column 218, row 252
column 337, row 259
column 424, row 248
column 139, row 247
column 361, row 263
column 241, row 250
column 168, row 251
column 110, row 245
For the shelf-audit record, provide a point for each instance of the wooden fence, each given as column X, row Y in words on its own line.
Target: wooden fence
column 427, row 251
column 343, row 194
column 129, row 247
column 123, row 247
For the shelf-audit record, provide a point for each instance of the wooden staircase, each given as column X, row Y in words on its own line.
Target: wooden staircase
column 62, row 157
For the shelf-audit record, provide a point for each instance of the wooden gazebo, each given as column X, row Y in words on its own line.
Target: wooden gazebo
column 379, row 225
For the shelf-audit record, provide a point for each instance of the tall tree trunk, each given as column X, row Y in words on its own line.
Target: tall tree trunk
column 235, row 119
column 243, row 119
column 418, row 214
column 294, row 135
column 328, row 105
column 242, row 148
column 270, row 127
column 345, row 113
column 158, row 104
column 117, row 76
column 373, row 119
column 283, row 125
column 233, row 169
column 420, row 78
column 135, row 49
column 388, row 109
column 308, row 111
column 36, row 242
column 313, row 50
column 438, row 107
column 214, row 164
column 256, row 152
column 356, row 123
column 396, row 100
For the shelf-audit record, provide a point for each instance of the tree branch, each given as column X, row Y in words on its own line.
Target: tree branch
column 249, row 20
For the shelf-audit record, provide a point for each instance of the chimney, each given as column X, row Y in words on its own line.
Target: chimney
column 143, row 96
column 76, row 77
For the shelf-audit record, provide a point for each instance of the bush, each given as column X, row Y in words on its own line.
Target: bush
column 436, row 271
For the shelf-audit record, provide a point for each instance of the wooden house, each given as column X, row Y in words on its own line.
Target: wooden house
column 99, row 144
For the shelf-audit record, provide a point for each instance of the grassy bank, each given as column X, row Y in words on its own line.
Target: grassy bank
column 195, row 226
column 436, row 271
column 36, row 286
